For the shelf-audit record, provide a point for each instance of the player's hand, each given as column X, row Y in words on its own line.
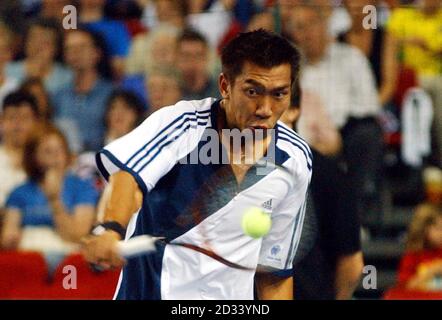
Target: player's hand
column 102, row 250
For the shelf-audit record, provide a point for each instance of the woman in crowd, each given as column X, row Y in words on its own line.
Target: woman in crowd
column 53, row 209
column 41, row 48
column 421, row 266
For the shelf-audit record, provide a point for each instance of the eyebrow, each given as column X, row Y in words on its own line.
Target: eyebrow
column 258, row 84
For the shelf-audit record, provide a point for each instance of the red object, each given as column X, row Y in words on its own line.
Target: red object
column 134, row 27
column 412, row 260
column 21, row 269
column 399, row 293
column 24, row 275
column 234, row 29
column 406, row 79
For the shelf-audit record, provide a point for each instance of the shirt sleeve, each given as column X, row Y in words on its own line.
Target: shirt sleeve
column 86, row 194
column 279, row 247
column 15, row 200
column 119, row 40
column 154, row 147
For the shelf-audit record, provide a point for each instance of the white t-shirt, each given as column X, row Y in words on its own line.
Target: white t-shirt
column 11, row 176
column 344, row 82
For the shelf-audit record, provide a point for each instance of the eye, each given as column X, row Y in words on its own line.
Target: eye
column 252, row 92
column 280, row 94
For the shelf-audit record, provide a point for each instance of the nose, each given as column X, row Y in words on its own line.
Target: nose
column 264, row 109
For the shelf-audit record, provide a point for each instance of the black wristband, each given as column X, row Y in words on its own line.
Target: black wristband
column 109, row 225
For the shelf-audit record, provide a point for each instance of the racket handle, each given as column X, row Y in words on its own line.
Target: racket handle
column 137, row 246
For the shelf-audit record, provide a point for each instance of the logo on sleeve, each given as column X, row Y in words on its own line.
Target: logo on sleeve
column 267, row 205
column 275, row 252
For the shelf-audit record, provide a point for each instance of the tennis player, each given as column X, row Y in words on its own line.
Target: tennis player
column 153, row 191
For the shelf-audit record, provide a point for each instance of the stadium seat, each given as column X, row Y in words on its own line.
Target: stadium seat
column 21, row 269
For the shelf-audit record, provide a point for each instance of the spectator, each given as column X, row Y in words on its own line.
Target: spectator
column 341, row 77
column 421, row 266
column 42, row 46
column 50, row 9
column 36, row 88
column 82, row 104
column 157, row 48
column 377, row 45
column 19, row 117
column 124, row 112
column 171, row 12
column 419, row 32
column 332, row 268
column 53, row 208
column 113, row 32
column 262, row 20
column 193, row 63
column 7, row 84
column 164, row 88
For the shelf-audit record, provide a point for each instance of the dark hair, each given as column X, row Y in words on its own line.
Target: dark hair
column 189, row 34
column 35, row 81
column 132, row 101
column 261, row 47
column 30, row 163
column 17, row 98
column 98, row 41
column 54, row 26
column 296, row 96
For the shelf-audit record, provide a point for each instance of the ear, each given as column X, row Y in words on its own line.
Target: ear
column 224, row 86
column 293, row 114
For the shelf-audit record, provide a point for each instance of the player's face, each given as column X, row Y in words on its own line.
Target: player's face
column 258, row 96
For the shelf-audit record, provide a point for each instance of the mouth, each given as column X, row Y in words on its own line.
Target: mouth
column 258, row 127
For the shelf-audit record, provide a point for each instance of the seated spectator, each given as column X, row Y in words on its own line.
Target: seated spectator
column 41, row 48
column 341, row 77
column 193, row 63
column 332, row 262
column 419, row 32
column 19, row 117
column 113, row 32
column 164, row 88
column 421, row 266
column 124, row 112
column 262, row 20
column 50, row 9
column 36, row 88
column 82, row 103
column 156, row 48
column 159, row 12
column 53, row 209
column 7, row 84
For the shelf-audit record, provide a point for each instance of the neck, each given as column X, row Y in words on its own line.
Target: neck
column 85, row 80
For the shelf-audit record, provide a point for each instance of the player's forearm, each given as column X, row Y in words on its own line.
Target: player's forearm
column 124, row 200
column 348, row 273
column 271, row 287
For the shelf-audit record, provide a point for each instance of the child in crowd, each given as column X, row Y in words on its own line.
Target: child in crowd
column 421, row 267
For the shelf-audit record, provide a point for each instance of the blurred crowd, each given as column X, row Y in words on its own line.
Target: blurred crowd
column 370, row 98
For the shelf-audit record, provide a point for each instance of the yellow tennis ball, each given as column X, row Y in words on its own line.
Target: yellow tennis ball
column 256, row 223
